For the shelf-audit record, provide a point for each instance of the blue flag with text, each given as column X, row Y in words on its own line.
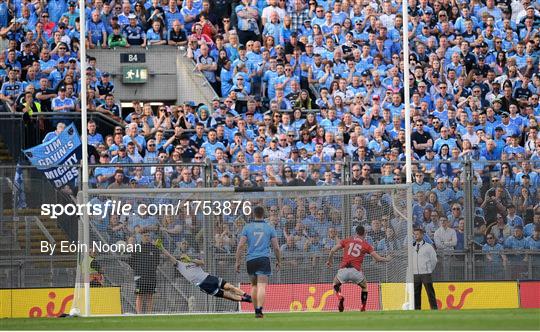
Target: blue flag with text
column 55, row 157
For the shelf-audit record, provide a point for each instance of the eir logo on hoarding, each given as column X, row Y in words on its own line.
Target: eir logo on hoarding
column 450, row 299
column 38, row 312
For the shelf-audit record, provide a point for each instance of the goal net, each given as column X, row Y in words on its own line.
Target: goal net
column 206, row 223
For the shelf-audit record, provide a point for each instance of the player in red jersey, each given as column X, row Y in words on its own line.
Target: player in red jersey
column 350, row 268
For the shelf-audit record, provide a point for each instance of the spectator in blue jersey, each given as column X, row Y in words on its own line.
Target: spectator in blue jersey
column 188, row 14
column 134, row 32
column 517, row 240
column 11, row 89
column 94, row 138
column 212, row 144
column 247, row 22
column 534, row 239
column 494, row 258
column 155, row 36
column 60, row 126
column 97, row 35
column 72, row 13
column 62, row 104
column 4, row 13
column 259, row 238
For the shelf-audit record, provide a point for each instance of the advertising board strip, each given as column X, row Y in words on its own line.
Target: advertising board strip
column 53, row 302
column 529, row 294
column 313, row 297
column 459, row 295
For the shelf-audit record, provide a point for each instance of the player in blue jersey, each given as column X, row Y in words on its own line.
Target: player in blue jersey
column 259, row 237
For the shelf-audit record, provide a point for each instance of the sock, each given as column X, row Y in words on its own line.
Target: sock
column 364, row 298
column 337, row 288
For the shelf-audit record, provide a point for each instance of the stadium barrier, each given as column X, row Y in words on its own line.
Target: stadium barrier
column 54, row 302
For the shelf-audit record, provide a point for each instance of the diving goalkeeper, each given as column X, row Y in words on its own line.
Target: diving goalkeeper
column 190, row 268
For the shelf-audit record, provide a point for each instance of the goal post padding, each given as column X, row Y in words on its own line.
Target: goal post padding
column 308, row 222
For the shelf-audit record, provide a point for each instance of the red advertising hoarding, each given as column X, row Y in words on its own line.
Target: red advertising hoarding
column 313, row 297
column 529, row 294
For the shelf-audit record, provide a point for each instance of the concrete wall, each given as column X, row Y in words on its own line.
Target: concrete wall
column 171, row 76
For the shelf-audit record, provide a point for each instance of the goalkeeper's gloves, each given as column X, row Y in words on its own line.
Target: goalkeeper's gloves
column 159, row 244
column 185, row 258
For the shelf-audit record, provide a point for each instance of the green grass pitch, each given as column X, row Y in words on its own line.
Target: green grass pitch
column 503, row 319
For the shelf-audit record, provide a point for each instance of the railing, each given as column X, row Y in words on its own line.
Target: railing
column 19, row 136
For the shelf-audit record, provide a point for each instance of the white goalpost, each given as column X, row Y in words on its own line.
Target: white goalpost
column 408, row 148
column 212, row 237
column 204, row 223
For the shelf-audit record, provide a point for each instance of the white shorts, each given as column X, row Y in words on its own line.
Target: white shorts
column 350, row 274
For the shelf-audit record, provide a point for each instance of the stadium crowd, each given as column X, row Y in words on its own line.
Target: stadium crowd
column 309, row 91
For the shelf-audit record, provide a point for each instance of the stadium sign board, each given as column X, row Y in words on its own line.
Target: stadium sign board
column 134, row 74
column 132, row 58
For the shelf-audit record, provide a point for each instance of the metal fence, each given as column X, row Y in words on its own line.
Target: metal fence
column 22, row 227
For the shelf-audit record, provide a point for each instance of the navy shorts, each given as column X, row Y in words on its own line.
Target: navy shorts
column 145, row 285
column 259, row 266
column 211, row 285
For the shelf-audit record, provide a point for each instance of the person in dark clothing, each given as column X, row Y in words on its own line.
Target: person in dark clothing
column 144, row 264
column 421, row 140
